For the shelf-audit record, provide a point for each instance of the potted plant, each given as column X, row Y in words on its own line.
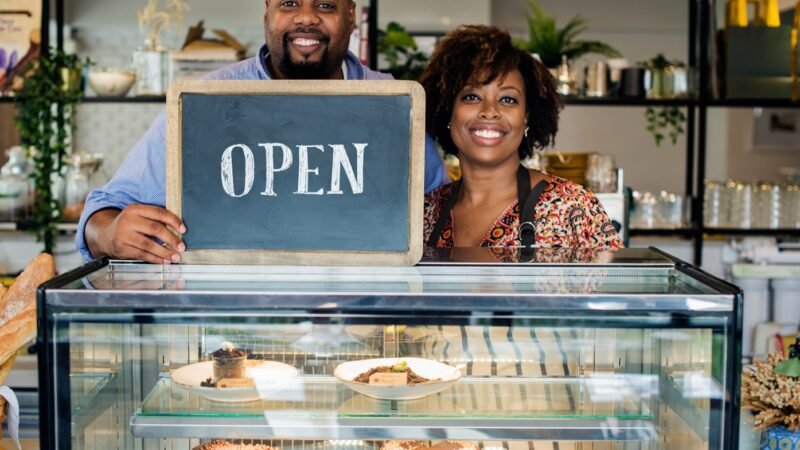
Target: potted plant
column 771, row 390
column 400, row 50
column 552, row 44
column 46, row 104
column 667, row 121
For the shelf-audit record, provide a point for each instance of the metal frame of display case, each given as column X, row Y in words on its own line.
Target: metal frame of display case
column 664, row 311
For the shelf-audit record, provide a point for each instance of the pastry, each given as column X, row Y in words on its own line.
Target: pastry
column 229, row 362
column 423, row 445
column 18, row 306
column 219, row 444
column 401, row 367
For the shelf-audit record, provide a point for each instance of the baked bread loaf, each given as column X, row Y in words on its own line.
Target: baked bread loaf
column 423, row 445
column 219, row 444
column 18, row 306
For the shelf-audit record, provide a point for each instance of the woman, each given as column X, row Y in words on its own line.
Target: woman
column 493, row 104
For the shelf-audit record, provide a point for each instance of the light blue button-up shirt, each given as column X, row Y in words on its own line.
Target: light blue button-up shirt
column 142, row 177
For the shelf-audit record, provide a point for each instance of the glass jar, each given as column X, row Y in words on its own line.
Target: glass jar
column 714, row 204
column 16, row 186
column 78, row 182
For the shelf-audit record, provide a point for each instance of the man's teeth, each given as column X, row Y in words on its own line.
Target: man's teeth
column 305, row 42
column 488, row 134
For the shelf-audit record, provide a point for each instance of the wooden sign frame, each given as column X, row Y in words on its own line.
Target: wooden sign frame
column 416, row 170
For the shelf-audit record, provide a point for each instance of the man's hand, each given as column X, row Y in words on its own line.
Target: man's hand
column 129, row 234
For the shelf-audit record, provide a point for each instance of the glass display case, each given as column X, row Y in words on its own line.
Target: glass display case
column 575, row 350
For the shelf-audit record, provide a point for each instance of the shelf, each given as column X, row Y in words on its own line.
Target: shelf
column 614, row 101
column 604, row 407
column 143, row 99
column 754, row 103
column 67, row 227
column 92, row 394
column 685, row 233
column 752, row 232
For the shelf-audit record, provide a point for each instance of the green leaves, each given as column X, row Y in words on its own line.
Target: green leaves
column 406, row 62
column 665, row 122
column 551, row 43
column 46, row 105
column 788, row 368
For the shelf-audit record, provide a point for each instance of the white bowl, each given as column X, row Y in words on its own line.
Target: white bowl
column 268, row 376
column 111, row 83
column 427, row 368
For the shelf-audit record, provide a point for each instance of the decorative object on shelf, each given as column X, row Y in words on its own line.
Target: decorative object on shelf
column 200, row 56
column 771, row 390
column 151, row 61
column 111, row 82
column 759, row 55
column 664, row 211
column 552, row 43
column 46, row 121
column 20, row 40
column 16, row 188
column 565, row 79
column 596, row 80
column 78, row 182
column 406, row 61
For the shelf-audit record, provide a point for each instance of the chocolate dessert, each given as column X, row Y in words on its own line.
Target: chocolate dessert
column 402, row 367
column 229, row 362
column 219, row 444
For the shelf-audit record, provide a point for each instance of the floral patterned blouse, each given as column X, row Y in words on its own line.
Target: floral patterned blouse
column 566, row 216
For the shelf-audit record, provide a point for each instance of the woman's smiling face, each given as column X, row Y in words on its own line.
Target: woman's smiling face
column 488, row 122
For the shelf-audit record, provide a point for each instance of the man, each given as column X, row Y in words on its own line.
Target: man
column 305, row 39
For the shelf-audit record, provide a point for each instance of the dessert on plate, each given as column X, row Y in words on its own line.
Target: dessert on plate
column 229, row 362
column 400, row 368
column 423, row 445
column 220, row 444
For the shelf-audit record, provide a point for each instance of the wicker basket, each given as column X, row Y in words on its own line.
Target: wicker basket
column 4, row 370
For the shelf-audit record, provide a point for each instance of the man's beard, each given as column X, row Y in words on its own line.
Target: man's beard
column 304, row 70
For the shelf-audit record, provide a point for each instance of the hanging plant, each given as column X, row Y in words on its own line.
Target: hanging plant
column 667, row 121
column 46, row 103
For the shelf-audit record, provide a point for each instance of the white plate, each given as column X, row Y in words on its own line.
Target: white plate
column 268, row 376
column 427, row 368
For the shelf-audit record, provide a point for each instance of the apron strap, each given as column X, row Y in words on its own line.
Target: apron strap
column 526, row 198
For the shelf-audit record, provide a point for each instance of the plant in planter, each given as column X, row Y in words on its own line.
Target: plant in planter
column 771, row 390
column 667, row 121
column 405, row 60
column 46, row 103
column 552, row 43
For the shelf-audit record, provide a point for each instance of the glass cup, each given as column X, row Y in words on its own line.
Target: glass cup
column 740, row 204
column 601, row 173
column 714, row 204
column 790, row 206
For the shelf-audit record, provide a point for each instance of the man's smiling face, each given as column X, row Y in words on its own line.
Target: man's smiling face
column 308, row 39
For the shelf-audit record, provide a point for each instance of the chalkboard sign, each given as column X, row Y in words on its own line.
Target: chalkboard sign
column 297, row 172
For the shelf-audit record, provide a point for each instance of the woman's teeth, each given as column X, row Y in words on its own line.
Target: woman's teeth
column 487, row 134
